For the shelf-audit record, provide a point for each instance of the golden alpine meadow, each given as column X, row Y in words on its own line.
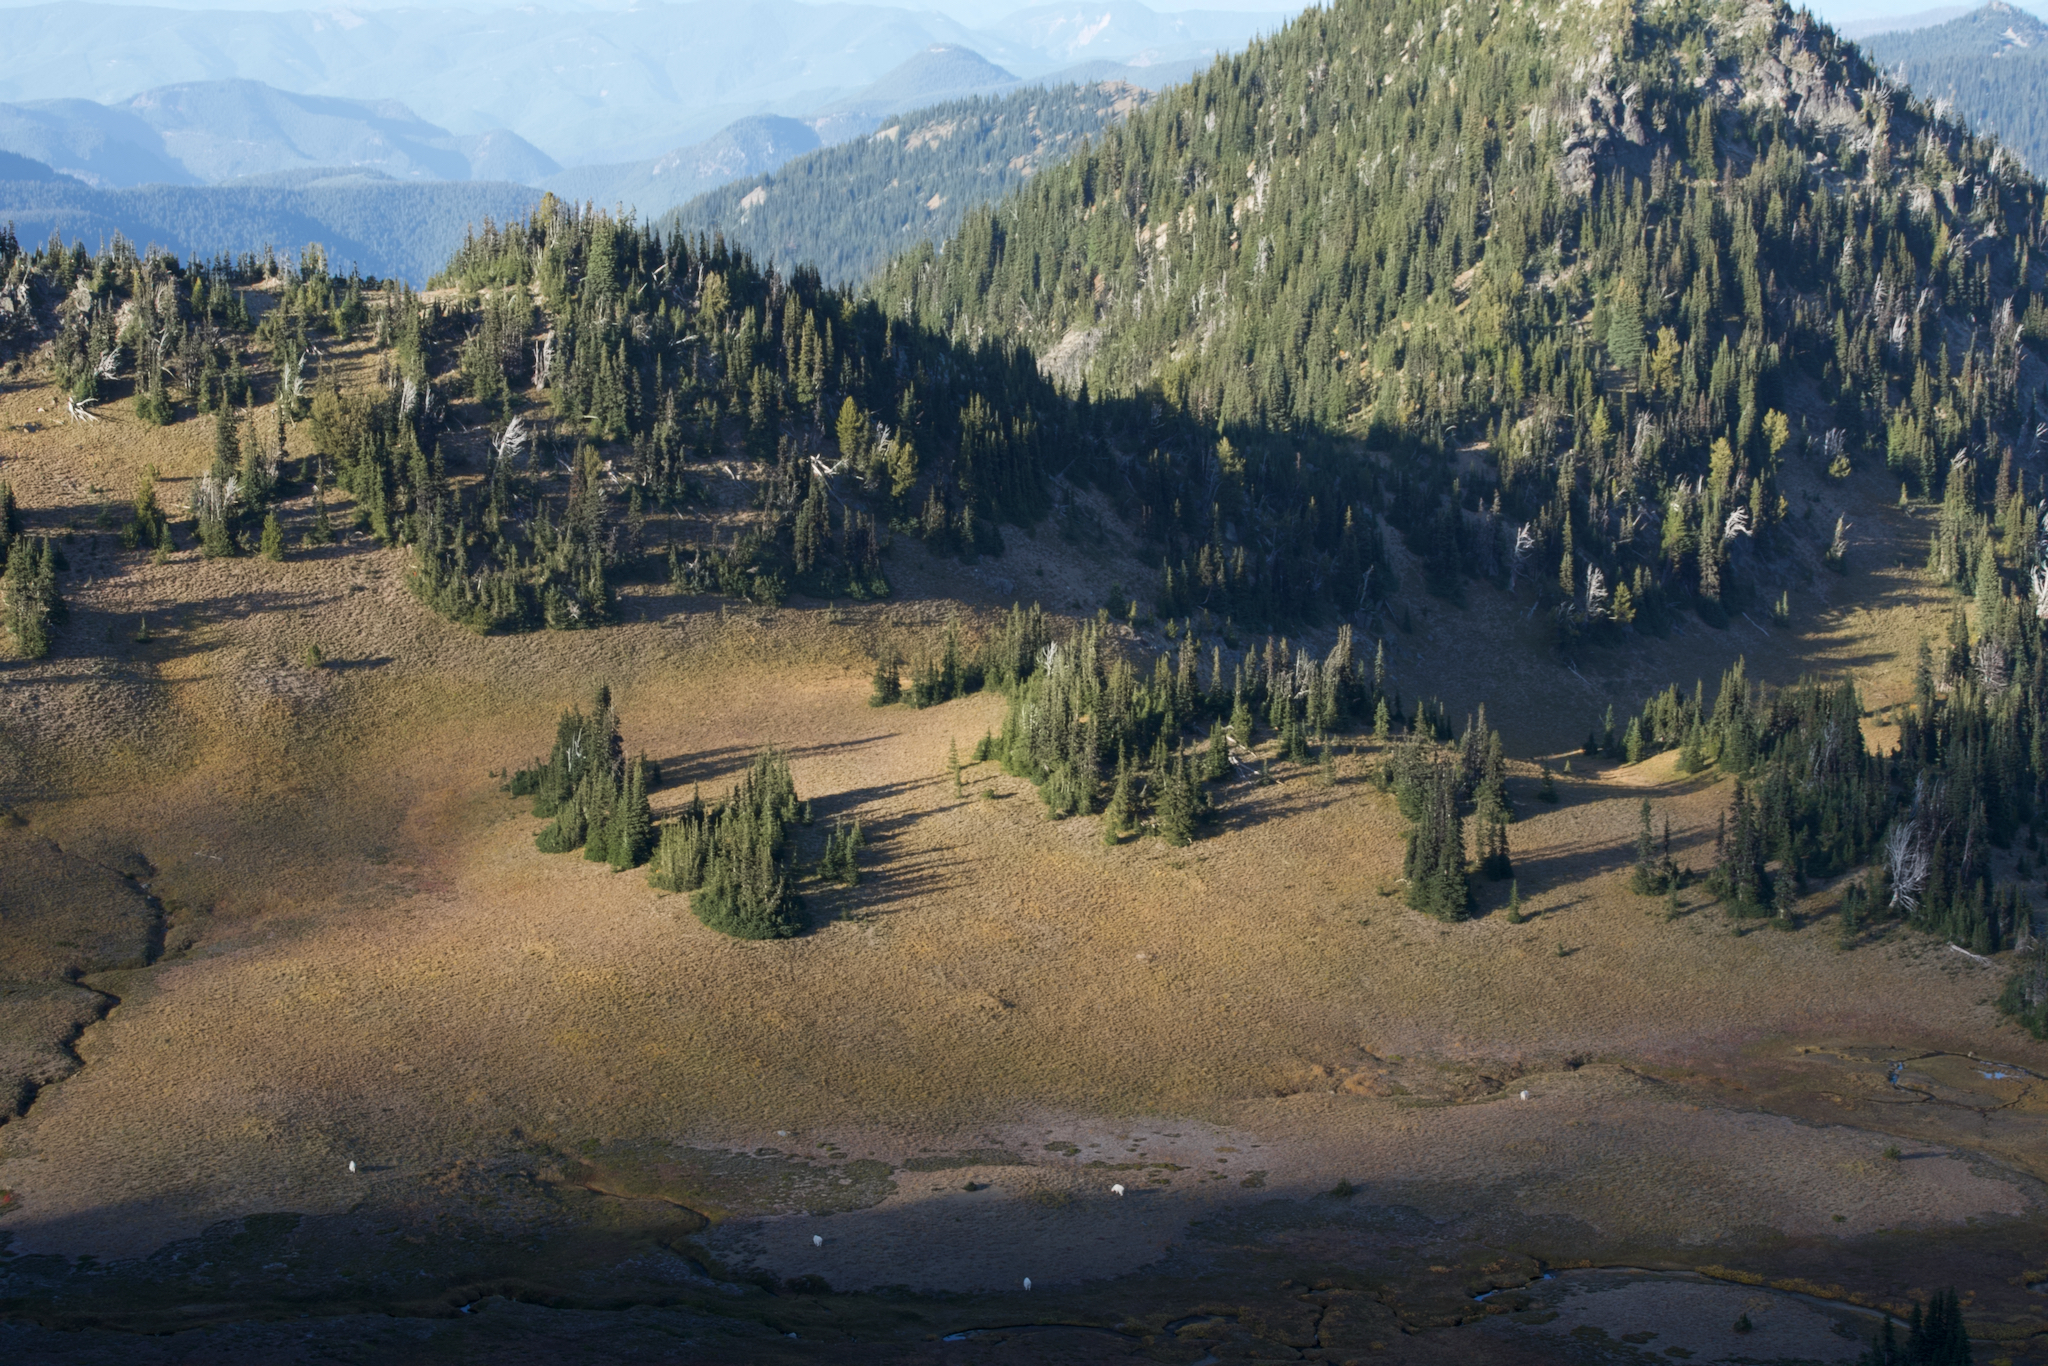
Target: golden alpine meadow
column 1397, row 710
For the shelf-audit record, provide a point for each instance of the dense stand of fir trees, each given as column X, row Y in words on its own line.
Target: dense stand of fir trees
column 596, row 796
column 29, row 603
column 1433, row 784
column 1935, row 1336
column 663, row 362
column 737, row 857
column 1617, row 246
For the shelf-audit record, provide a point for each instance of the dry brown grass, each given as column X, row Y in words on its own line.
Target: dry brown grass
column 369, row 960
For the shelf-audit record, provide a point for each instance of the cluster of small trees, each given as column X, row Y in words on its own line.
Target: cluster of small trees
column 171, row 335
column 1655, row 873
column 736, row 857
column 232, row 503
column 29, row 603
column 1812, row 800
column 1935, row 1336
column 1096, row 733
column 1433, row 783
column 597, row 798
column 494, row 567
column 2025, row 996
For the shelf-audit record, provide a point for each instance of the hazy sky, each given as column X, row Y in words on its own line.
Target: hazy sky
column 975, row 12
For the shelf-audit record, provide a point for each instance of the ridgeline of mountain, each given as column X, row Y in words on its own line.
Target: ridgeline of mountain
column 388, row 228
column 586, row 84
column 208, row 132
column 1990, row 65
column 1859, row 29
column 830, row 143
column 935, row 75
column 758, row 143
column 1122, row 31
column 847, row 209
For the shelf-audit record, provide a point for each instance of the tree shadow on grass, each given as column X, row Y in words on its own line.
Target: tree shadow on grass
column 1246, row 806
column 727, row 762
column 1574, row 862
column 883, row 888
column 885, row 881
column 148, row 638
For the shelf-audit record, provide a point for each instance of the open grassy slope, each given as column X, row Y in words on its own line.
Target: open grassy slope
column 548, row 1073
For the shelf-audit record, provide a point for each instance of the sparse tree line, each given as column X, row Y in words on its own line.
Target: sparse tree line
column 1925, row 822
column 174, row 337
column 736, row 858
column 1097, row 735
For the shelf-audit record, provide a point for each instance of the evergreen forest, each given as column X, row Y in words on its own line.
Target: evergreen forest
column 1986, row 65
column 846, row 209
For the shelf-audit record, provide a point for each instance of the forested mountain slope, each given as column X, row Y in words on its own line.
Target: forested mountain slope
column 1990, row 64
column 1631, row 258
column 848, row 209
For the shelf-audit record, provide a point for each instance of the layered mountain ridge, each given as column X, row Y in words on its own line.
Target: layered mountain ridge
column 209, row 132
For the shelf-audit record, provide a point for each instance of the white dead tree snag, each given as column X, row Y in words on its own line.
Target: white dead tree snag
column 1525, row 546
column 1596, row 595
column 1994, row 670
column 510, row 443
column 1905, row 858
column 543, row 361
